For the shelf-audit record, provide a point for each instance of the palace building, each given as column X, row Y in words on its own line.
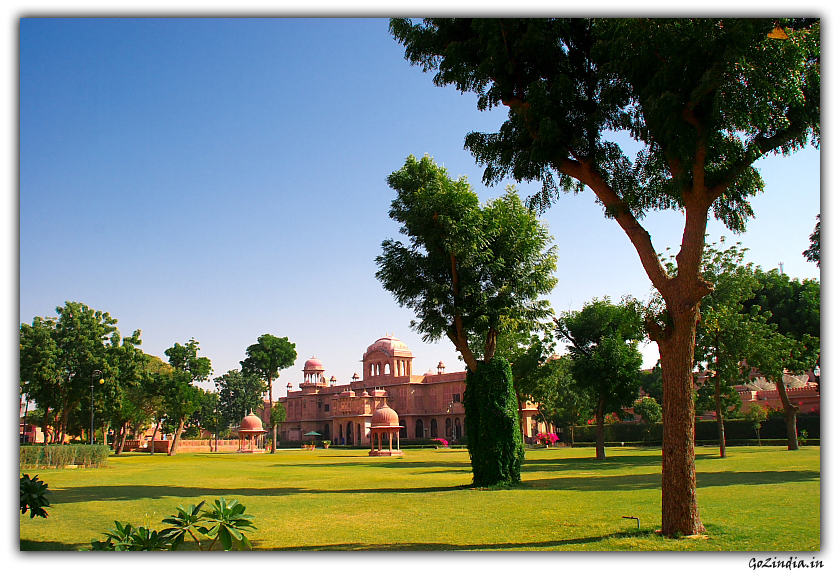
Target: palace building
column 429, row 405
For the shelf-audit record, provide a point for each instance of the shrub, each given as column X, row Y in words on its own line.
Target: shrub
column 33, row 496
column 547, row 438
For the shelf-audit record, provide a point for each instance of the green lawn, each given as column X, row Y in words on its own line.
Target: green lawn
column 757, row 499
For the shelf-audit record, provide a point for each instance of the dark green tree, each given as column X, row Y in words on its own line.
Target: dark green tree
column 650, row 411
column 266, row 358
column 181, row 396
column 466, row 271
column 650, row 381
column 603, row 342
column 706, row 98
column 239, row 393
column 813, row 251
column 790, row 340
column 570, row 405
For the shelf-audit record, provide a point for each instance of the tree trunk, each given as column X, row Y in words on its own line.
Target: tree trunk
column 719, row 416
column 600, row 453
column 120, row 441
column 154, row 435
column 173, row 449
column 679, row 483
column 270, row 419
column 790, row 416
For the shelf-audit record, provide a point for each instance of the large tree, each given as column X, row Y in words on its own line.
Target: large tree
column 603, row 343
column 182, row 396
column 706, row 98
column 266, row 358
column 467, row 270
column 239, row 393
column 789, row 341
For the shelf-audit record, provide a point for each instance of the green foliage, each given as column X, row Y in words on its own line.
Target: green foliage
column 813, row 251
column 223, row 521
column 33, row 496
column 649, row 410
column 467, row 269
column 239, row 393
column 278, row 413
column 58, row 456
column 492, row 422
column 650, row 381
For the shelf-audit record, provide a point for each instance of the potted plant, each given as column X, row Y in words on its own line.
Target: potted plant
column 326, row 443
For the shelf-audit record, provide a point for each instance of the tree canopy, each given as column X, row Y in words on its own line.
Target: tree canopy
column 706, row 97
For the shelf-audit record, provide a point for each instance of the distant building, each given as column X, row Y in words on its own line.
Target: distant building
column 429, row 405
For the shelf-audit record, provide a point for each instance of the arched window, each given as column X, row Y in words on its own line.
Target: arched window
column 403, row 430
column 359, row 433
column 418, row 429
column 349, row 433
column 326, row 431
column 433, row 428
column 387, row 368
column 457, row 428
column 449, row 427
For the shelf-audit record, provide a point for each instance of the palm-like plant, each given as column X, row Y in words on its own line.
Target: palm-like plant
column 228, row 523
column 185, row 521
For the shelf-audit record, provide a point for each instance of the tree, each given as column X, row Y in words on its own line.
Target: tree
column 266, row 358
column 58, row 357
column 570, row 404
column 725, row 333
column 706, row 98
column 650, row 412
column 467, row 270
column 755, row 415
column 181, row 395
column 813, row 251
column 126, row 390
column 650, row 381
column 790, row 339
column 603, row 341
column 239, row 393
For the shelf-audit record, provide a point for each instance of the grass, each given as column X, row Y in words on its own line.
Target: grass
column 345, row 500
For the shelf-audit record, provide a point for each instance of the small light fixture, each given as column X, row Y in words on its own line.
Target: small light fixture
column 778, row 33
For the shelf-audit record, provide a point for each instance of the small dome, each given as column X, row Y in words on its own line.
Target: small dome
column 251, row 423
column 385, row 417
column 313, row 365
column 390, row 346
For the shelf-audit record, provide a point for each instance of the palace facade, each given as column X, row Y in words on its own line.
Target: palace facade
column 429, row 405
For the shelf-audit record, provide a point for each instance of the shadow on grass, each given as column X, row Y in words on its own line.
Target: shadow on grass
column 45, row 546
column 443, row 546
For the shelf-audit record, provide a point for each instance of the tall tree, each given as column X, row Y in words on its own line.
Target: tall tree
column 725, row 333
column 266, row 358
column 466, row 271
column 182, row 397
column 603, row 343
column 790, row 340
column 706, row 98
column 239, row 393
column 813, row 251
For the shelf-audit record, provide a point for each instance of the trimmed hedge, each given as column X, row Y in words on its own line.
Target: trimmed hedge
column 59, row 456
column 705, row 431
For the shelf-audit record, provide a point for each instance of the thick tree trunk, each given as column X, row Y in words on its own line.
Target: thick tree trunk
column 270, row 419
column 790, row 416
column 173, row 449
column 154, row 435
column 118, row 445
column 600, row 453
column 679, row 483
column 719, row 416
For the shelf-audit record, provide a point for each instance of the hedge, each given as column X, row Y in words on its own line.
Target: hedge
column 705, row 430
column 59, row 456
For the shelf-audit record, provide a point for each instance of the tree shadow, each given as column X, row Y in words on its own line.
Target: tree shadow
column 444, row 546
column 45, row 545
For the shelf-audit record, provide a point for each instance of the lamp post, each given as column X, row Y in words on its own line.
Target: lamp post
column 101, row 381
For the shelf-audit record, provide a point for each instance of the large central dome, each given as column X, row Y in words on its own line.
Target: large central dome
column 390, row 346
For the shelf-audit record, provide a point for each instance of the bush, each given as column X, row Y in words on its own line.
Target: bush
column 33, row 496
column 59, row 456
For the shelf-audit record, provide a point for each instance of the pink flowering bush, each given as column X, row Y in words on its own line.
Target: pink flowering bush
column 547, row 438
column 441, row 441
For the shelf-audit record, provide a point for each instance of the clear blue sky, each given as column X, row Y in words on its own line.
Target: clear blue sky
column 220, row 179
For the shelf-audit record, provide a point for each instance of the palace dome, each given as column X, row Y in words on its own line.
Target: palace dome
column 385, row 417
column 313, row 365
column 251, row 423
column 390, row 346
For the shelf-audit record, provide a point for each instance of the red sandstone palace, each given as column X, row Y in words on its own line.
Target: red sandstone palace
column 429, row 405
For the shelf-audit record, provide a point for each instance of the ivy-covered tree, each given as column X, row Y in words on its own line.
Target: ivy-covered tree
column 466, row 270
column 706, row 97
column 266, row 358
column 603, row 342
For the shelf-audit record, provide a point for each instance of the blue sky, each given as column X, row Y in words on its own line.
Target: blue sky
column 220, row 179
